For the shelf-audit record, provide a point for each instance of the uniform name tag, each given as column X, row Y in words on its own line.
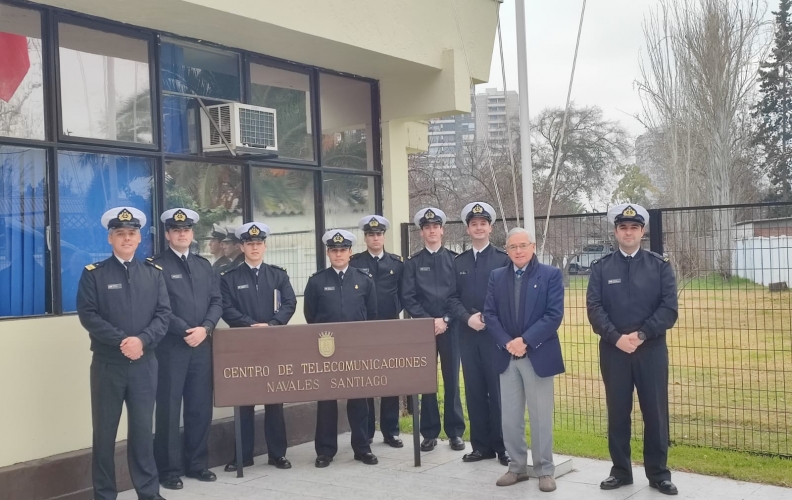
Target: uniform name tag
column 423, row 268
column 613, row 282
column 463, row 272
column 329, row 288
column 240, row 287
column 176, row 276
column 116, row 286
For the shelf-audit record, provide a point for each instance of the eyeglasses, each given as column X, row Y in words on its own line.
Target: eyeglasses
column 524, row 246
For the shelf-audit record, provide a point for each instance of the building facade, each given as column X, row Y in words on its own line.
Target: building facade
column 101, row 106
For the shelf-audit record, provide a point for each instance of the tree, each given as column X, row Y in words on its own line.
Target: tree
column 634, row 187
column 774, row 110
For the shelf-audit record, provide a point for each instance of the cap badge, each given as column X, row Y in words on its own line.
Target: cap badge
column 373, row 223
column 179, row 216
column 125, row 215
column 477, row 209
column 254, row 231
column 429, row 215
column 338, row 238
column 629, row 212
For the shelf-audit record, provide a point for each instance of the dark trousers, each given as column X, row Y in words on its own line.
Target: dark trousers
column 112, row 385
column 326, row 439
column 389, row 417
column 274, row 431
column 184, row 372
column 453, row 420
column 646, row 370
column 482, row 391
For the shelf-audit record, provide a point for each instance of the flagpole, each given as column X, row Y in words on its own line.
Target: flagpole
column 525, row 121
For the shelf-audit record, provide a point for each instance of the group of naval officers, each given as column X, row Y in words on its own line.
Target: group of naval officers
column 150, row 323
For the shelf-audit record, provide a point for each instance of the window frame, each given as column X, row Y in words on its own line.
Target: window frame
column 55, row 140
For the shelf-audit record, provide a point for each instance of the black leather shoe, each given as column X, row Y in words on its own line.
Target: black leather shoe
column 153, row 497
column 428, row 444
column 504, row 458
column 323, row 461
column 665, row 487
column 614, row 482
column 457, row 444
column 204, row 475
column 172, row 483
column 477, row 456
column 279, row 463
column 394, row 442
column 231, row 466
column 367, row 458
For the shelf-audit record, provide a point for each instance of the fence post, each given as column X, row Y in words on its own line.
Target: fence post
column 656, row 231
column 405, row 240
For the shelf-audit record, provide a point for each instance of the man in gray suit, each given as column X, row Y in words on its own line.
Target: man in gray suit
column 522, row 311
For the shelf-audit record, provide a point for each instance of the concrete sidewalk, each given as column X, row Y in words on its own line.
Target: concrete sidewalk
column 443, row 475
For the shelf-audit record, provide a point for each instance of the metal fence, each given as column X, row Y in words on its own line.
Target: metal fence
column 730, row 352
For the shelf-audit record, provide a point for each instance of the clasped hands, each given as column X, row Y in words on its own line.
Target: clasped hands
column 629, row 343
column 517, row 347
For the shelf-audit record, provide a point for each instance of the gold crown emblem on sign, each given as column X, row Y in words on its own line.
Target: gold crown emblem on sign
column 429, row 215
column 477, row 209
column 326, row 344
column 338, row 238
column 629, row 212
column 125, row 215
column 254, row 231
column 373, row 223
column 180, row 216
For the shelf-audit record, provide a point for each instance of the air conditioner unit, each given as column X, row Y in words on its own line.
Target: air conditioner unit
column 246, row 129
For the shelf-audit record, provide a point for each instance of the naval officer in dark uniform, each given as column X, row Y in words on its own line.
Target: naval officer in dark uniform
column 232, row 250
column 123, row 303
column 472, row 269
column 632, row 303
column 340, row 294
column 386, row 269
column 256, row 294
column 216, row 247
column 185, row 355
column 427, row 285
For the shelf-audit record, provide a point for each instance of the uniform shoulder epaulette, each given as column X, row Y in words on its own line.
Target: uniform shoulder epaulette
column 499, row 249
column 415, row 254
column 658, row 256
column 150, row 262
column 469, row 250
column 362, row 271
column 452, row 252
column 396, row 257
column 201, row 257
column 600, row 259
column 95, row 265
column 356, row 256
column 277, row 267
column 229, row 268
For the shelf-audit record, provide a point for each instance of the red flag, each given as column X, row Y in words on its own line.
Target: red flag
column 14, row 64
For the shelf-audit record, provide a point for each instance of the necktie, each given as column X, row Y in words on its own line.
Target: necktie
column 256, row 274
column 476, row 256
column 519, row 272
column 186, row 264
column 341, row 275
column 126, row 268
column 126, row 264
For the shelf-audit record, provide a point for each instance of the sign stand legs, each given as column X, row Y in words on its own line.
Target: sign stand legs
column 238, row 441
column 416, row 411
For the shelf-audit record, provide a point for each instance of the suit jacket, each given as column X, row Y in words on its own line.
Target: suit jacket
column 538, row 318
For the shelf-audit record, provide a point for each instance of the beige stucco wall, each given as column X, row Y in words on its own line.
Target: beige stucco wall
column 411, row 46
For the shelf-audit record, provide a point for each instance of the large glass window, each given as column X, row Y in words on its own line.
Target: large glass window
column 21, row 81
column 284, row 200
column 289, row 94
column 105, row 85
column 88, row 185
column 212, row 190
column 23, row 208
column 346, row 123
column 347, row 198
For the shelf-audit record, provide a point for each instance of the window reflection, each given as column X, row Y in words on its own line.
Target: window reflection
column 105, row 85
column 347, row 198
column 346, row 123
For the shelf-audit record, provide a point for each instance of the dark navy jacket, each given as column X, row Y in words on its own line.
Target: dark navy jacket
column 472, row 275
column 540, row 315
column 193, row 290
column 387, row 276
column 626, row 295
column 428, row 283
column 327, row 300
column 248, row 300
column 114, row 303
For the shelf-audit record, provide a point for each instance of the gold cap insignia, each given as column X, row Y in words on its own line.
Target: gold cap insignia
column 179, row 216
column 429, row 215
column 338, row 238
column 326, row 344
column 477, row 209
column 629, row 212
column 373, row 223
column 125, row 215
column 254, row 231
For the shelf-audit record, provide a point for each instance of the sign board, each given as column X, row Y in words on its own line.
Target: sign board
column 298, row 363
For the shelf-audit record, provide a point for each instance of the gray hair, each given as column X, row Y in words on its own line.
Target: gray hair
column 519, row 230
